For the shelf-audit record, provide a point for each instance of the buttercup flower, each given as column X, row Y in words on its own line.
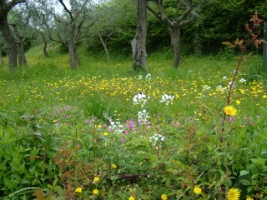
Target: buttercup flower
column 230, row 110
column 131, row 198
column 105, row 133
column 164, row 197
column 96, row 179
column 233, row 194
column 113, row 166
column 197, row 190
column 95, row 191
column 78, row 190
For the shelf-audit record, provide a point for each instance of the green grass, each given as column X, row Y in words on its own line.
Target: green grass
column 60, row 128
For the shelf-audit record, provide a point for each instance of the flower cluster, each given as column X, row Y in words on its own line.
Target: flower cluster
column 116, row 127
column 221, row 89
column 140, row 99
column 143, row 117
column 157, row 139
column 205, row 88
column 167, row 99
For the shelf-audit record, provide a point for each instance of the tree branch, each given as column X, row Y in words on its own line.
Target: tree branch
column 11, row 4
column 66, row 9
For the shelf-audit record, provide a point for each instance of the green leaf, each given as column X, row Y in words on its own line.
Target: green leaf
column 243, row 172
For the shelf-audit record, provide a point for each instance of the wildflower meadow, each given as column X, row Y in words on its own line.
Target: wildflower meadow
column 105, row 131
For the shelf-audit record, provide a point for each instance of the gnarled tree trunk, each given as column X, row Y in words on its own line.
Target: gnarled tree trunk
column 73, row 55
column 10, row 39
column 175, row 36
column 139, row 41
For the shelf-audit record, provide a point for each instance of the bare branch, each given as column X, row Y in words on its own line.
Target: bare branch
column 66, row 9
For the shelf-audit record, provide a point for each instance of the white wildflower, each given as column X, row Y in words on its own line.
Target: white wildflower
column 167, row 99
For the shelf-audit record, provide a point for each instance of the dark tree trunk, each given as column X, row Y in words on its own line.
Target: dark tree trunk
column 265, row 47
column 10, row 39
column 21, row 55
column 139, row 41
column 45, row 44
column 73, row 55
column 175, row 43
column 20, row 40
column 1, row 58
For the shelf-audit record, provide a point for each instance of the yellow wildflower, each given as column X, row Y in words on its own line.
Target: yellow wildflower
column 78, row 190
column 230, row 110
column 131, row 198
column 237, row 102
column 96, row 179
column 197, row 190
column 105, row 133
column 164, row 197
column 113, row 166
column 233, row 194
column 95, row 191
column 249, row 198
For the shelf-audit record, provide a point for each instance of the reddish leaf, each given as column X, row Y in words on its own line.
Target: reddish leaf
column 254, row 36
column 256, row 43
column 248, row 28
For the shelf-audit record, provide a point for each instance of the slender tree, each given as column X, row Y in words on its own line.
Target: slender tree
column 139, row 41
column 182, row 12
column 5, row 8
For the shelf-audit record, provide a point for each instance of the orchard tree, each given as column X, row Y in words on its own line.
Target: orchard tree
column 5, row 8
column 139, row 41
column 69, row 28
column 175, row 14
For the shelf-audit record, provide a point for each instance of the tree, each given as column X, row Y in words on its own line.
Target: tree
column 5, row 8
column 139, row 41
column 1, row 56
column 69, row 27
column 175, row 14
column 265, row 47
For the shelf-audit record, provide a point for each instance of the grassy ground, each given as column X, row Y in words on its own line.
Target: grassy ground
column 61, row 128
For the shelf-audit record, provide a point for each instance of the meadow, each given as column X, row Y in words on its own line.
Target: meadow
column 105, row 131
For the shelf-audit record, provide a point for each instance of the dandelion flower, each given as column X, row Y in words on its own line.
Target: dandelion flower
column 131, row 198
column 249, row 198
column 113, row 166
column 197, row 190
column 78, row 190
column 230, row 110
column 164, row 197
column 233, row 194
column 95, row 191
column 96, row 179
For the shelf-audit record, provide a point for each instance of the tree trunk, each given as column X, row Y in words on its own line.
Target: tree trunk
column 265, row 47
column 45, row 45
column 21, row 54
column 11, row 41
column 175, row 43
column 139, row 41
column 73, row 55
column 1, row 58
column 104, row 46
